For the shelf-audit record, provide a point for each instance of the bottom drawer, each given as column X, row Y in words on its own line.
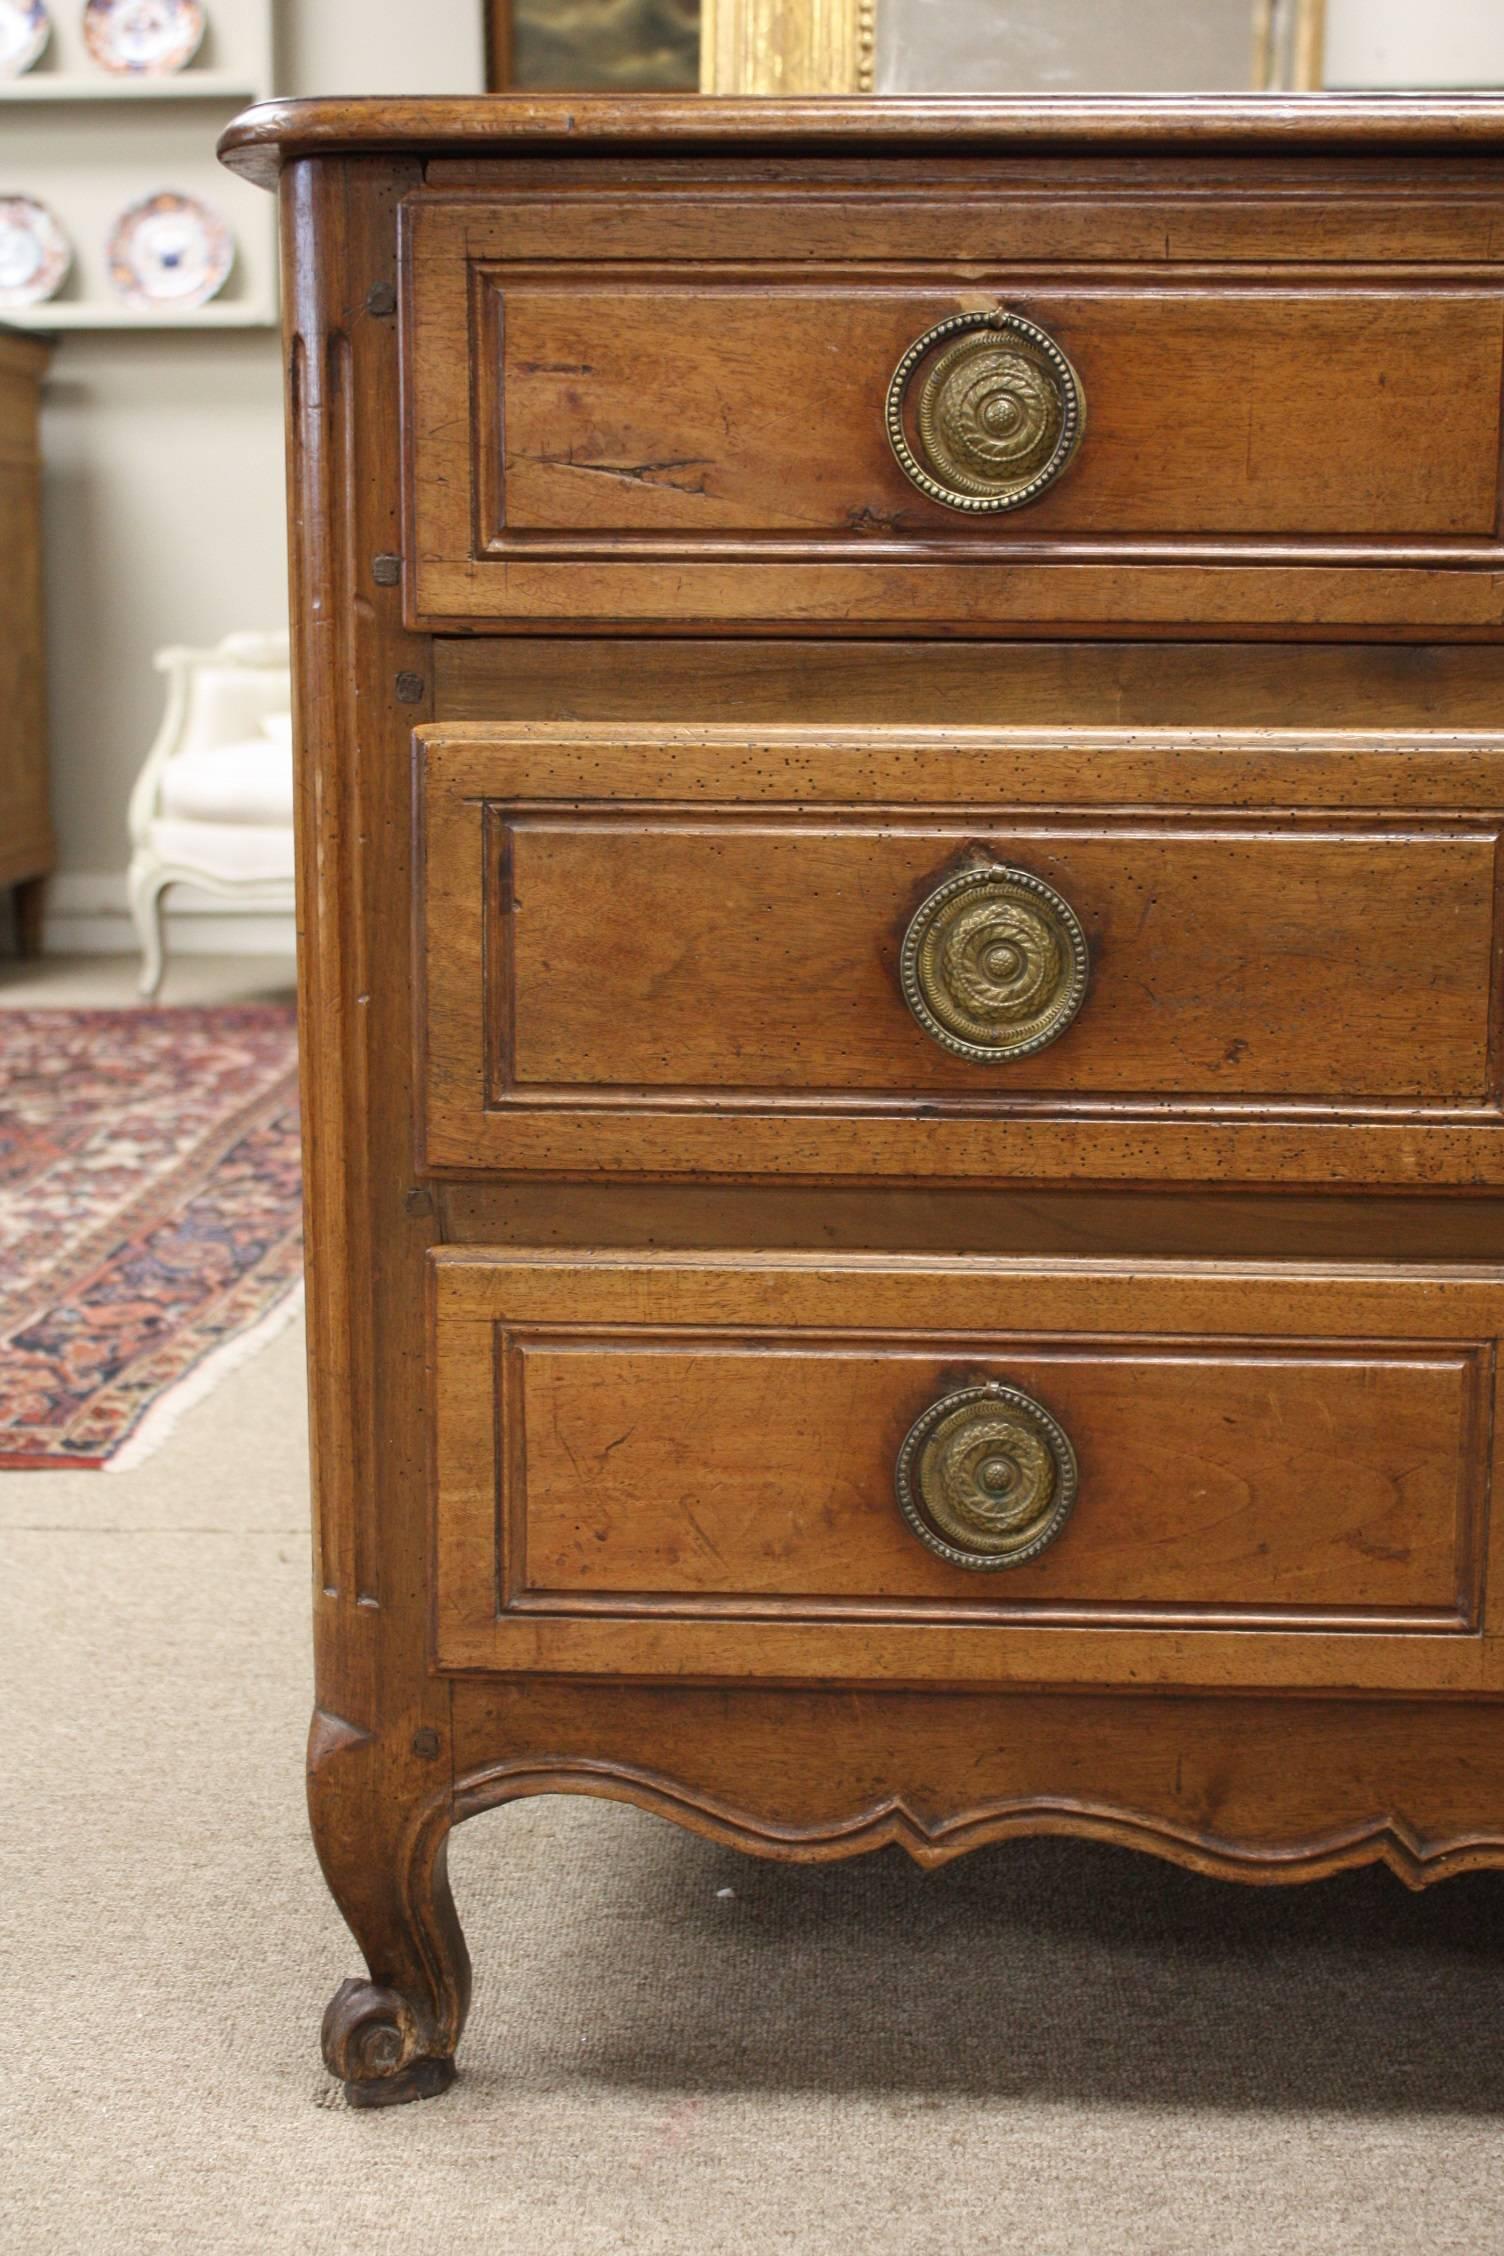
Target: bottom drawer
column 882, row 1470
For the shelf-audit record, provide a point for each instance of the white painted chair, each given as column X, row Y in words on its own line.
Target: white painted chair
column 212, row 807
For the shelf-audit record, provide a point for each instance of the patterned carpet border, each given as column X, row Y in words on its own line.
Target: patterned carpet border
column 150, row 1217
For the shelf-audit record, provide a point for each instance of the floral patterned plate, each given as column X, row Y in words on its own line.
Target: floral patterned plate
column 170, row 250
column 151, row 36
column 24, row 30
column 35, row 254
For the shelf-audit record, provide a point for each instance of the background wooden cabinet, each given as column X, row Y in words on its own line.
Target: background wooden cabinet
column 26, row 845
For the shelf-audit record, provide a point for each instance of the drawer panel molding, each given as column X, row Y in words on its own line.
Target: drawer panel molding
column 697, row 1466
column 638, row 955
column 624, row 428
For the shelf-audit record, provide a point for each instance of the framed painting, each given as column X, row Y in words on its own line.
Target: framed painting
column 611, row 46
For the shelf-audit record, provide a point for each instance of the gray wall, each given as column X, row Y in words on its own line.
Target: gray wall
column 164, row 493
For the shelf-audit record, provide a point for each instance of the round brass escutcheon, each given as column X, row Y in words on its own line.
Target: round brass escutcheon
column 994, row 964
column 986, row 1477
column 998, row 413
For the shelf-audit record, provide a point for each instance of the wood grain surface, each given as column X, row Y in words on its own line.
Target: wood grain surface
column 261, row 140
column 685, row 1466
column 713, row 413
column 1163, row 686
column 1338, row 959
column 1256, row 1790
column 676, row 411
column 1234, row 1482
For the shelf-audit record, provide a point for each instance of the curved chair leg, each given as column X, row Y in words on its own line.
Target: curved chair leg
column 146, row 914
column 390, row 2038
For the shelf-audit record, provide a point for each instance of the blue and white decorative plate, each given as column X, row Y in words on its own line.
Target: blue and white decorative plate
column 35, row 254
column 170, row 250
column 143, row 37
column 25, row 28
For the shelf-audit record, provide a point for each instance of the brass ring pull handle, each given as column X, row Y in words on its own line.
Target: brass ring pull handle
column 997, row 414
column 986, row 1478
column 994, row 964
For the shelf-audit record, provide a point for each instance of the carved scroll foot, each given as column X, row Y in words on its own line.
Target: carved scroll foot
column 390, row 2037
column 373, row 2040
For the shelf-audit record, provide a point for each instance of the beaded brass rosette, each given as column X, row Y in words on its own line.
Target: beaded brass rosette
column 994, row 964
column 998, row 412
column 986, row 1477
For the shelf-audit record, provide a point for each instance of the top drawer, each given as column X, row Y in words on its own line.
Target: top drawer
column 1232, row 411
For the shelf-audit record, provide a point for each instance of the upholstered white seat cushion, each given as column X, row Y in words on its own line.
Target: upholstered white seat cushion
column 236, row 852
column 229, row 783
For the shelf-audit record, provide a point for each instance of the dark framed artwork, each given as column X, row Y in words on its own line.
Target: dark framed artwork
column 571, row 46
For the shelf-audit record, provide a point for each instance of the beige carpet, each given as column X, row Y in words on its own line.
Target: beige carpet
column 1047, row 2048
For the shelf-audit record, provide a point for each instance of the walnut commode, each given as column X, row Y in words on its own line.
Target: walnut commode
column 900, row 807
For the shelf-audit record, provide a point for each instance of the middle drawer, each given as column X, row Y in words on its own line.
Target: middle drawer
column 1185, row 957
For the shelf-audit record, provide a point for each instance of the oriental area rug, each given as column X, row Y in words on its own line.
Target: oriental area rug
column 149, row 1219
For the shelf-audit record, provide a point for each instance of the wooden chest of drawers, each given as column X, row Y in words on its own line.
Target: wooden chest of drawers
column 900, row 815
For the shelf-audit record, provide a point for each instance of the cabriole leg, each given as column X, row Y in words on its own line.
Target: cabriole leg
column 390, row 2037
column 146, row 914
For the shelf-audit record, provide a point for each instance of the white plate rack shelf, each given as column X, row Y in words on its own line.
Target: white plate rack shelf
column 88, row 143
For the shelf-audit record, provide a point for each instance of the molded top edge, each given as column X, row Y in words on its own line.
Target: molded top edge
column 262, row 139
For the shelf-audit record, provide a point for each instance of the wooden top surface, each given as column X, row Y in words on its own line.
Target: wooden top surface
column 262, row 139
